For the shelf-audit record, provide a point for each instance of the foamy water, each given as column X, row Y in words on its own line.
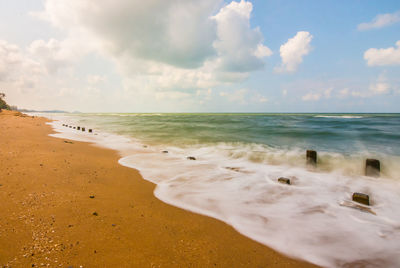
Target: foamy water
column 236, row 182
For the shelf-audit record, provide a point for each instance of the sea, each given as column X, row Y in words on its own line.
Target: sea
column 238, row 160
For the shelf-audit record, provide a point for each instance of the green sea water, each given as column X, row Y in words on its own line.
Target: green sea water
column 341, row 133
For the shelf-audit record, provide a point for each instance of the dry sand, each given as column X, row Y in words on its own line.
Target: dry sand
column 47, row 216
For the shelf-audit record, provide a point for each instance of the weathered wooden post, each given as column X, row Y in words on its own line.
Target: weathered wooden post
column 361, row 198
column 83, row 129
column 311, row 156
column 284, row 180
column 90, row 130
column 78, row 128
column 372, row 167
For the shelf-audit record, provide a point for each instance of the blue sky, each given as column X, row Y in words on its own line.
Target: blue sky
column 209, row 56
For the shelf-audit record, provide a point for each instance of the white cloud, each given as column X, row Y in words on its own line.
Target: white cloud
column 380, row 87
column 311, row 97
column 238, row 96
column 175, row 32
column 17, row 71
column 239, row 47
column 343, row 93
column 293, row 51
column 383, row 56
column 260, row 98
column 327, row 92
column 380, row 21
column 55, row 54
column 184, row 44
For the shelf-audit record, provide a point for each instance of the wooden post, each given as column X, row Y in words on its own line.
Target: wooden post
column 83, row 129
column 284, row 180
column 361, row 198
column 78, row 128
column 90, row 130
column 372, row 167
column 311, row 156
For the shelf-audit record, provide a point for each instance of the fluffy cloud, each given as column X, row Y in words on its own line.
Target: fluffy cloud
column 293, row 51
column 184, row 44
column 311, row 97
column 55, row 54
column 380, row 21
column 383, row 56
column 16, row 70
column 239, row 47
column 237, row 96
column 176, row 32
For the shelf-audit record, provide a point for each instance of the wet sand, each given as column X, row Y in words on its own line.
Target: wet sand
column 71, row 204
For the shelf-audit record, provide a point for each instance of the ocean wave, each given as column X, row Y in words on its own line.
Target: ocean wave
column 340, row 116
column 237, row 183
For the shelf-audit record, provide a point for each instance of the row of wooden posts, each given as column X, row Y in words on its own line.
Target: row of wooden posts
column 78, row 128
column 372, row 169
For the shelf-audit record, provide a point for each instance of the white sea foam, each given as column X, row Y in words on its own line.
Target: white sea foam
column 340, row 116
column 238, row 185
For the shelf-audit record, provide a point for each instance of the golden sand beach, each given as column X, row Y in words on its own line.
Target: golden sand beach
column 70, row 204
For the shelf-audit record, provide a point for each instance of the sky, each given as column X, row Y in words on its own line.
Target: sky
column 201, row 56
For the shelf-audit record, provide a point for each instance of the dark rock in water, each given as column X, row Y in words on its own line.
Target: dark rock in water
column 95, row 213
column 233, row 169
column 78, row 128
column 191, row 158
column 361, row 198
column 164, row 152
column 74, row 127
column 372, row 167
column 90, row 130
column 284, row 180
column 311, row 156
column 83, row 129
column 92, row 196
column 70, row 126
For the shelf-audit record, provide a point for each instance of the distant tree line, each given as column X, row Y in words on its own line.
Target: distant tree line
column 3, row 103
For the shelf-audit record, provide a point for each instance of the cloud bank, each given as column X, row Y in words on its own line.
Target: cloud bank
column 167, row 44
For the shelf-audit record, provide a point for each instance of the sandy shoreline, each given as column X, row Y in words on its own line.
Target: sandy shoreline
column 46, row 213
